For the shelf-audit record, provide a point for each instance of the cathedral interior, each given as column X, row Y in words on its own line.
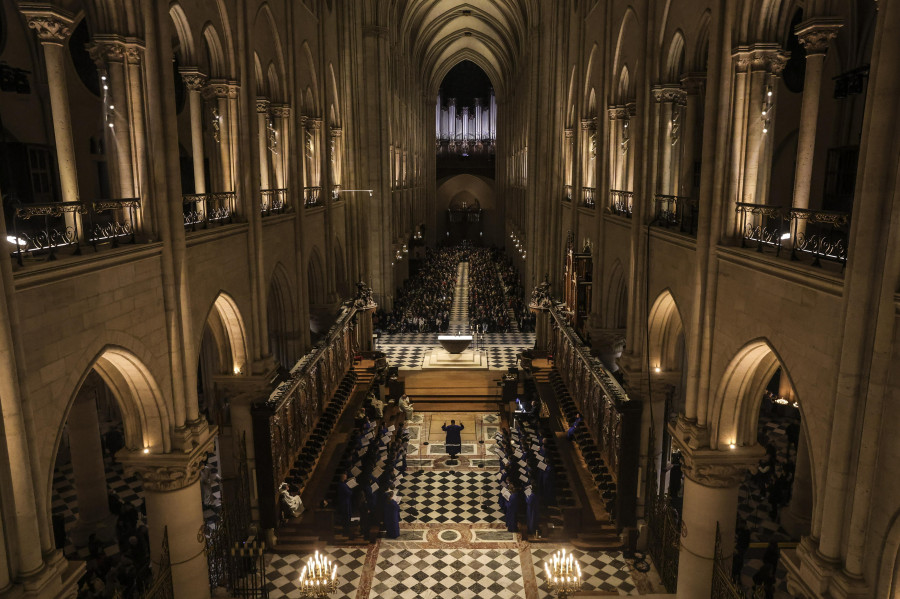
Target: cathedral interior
column 367, row 358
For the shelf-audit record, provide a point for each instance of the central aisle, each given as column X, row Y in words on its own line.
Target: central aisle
column 459, row 312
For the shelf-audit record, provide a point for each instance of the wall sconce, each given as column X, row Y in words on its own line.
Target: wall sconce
column 238, row 369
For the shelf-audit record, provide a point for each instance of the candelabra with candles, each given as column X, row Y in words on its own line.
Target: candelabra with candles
column 319, row 577
column 563, row 574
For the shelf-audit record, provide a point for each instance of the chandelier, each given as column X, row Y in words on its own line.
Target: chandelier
column 319, row 577
column 563, row 573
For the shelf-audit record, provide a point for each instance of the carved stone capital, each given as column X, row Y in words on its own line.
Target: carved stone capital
column 589, row 124
column 134, row 53
column 160, row 472
column 674, row 95
column 740, row 56
column 336, row 132
column 105, row 50
column 220, row 88
column 768, row 57
column 313, row 124
column 280, row 110
column 714, row 468
column 262, row 105
column 194, row 80
column 631, row 109
column 816, row 34
column 569, row 133
column 617, row 112
column 52, row 25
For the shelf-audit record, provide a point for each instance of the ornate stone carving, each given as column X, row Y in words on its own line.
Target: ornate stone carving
column 363, row 299
column 540, row 296
column 313, row 124
column 741, row 58
column 219, row 88
column 280, row 110
column 51, row 25
column 631, row 109
column 589, row 124
column 105, row 51
column 617, row 113
column 262, row 105
column 816, row 34
column 169, row 478
column 569, row 133
column 134, row 52
column 675, row 95
column 694, row 83
column 194, row 80
column 336, row 132
column 714, row 468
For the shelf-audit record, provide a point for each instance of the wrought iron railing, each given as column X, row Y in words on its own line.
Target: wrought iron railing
column 677, row 212
column 723, row 587
column 621, row 202
column 41, row 230
column 162, row 588
column 204, row 210
column 568, row 192
column 587, row 197
column 273, row 201
column 312, row 197
column 664, row 539
column 813, row 235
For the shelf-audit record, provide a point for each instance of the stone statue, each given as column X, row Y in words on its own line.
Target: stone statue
column 363, row 298
column 540, row 297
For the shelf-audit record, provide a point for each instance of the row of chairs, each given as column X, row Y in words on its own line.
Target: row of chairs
column 305, row 463
column 598, row 470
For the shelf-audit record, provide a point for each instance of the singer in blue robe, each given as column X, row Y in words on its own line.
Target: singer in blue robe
column 532, row 512
column 453, row 442
column 574, row 426
column 391, row 516
column 512, row 511
column 548, row 486
column 343, row 502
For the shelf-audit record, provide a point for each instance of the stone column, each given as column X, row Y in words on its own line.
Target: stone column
column 53, row 27
column 87, row 465
column 693, row 86
column 262, row 120
column 337, row 144
column 313, row 148
column 815, row 35
column 218, row 92
column 108, row 54
column 281, row 113
column 133, row 56
column 195, row 81
column 712, row 480
column 669, row 99
column 174, row 503
column 741, row 61
column 797, row 516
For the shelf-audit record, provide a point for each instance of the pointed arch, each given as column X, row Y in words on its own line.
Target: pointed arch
column 674, row 65
column 315, row 275
column 215, row 55
column 589, row 72
column 273, row 83
column 617, row 297
column 629, row 20
column 311, row 98
column 261, row 90
column 623, row 90
column 187, row 54
column 282, row 316
column 701, row 49
column 226, row 327
column 335, row 101
column 666, row 331
column 734, row 412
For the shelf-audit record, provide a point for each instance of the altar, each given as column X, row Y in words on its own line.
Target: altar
column 455, row 344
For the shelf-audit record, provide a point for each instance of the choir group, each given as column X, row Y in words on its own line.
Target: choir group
column 526, row 474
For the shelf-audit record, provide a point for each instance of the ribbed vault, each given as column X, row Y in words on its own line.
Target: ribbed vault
column 438, row 34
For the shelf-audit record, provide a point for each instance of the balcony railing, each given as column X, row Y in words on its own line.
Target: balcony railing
column 41, row 230
column 568, row 192
column 677, row 212
column 587, row 197
column 312, row 197
column 204, row 210
column 813, row 235
column 621, row 202
column 273, row 201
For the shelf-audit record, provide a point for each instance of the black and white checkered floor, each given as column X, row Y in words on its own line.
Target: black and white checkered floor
column 128, row 489
column 449, row 496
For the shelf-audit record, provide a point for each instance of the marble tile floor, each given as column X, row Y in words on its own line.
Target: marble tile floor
column 407, row 350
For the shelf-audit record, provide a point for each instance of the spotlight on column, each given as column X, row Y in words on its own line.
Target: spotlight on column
column 657, row 370
column 732, row 446
column 146, row 450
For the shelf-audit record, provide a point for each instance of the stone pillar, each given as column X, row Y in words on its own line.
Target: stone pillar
column 281, row 113
column 262, row 120
column 337, row 145
column 219, row 91
column 670, row 100
column 195, row 81
column 815, row 35
column 108, row 54
column 87, row 466
column 797, row 516
column 712, row 480
column 693, row 87
column 741, row 62
column 313, row 148
column 53, row 27
column 174, row 503
column 133, row 56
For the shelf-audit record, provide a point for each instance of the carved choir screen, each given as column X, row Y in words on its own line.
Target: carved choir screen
column 612, row 418
column 579, row 272
column 282, row 423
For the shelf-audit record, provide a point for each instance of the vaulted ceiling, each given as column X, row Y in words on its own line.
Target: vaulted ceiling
column 441, row 33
